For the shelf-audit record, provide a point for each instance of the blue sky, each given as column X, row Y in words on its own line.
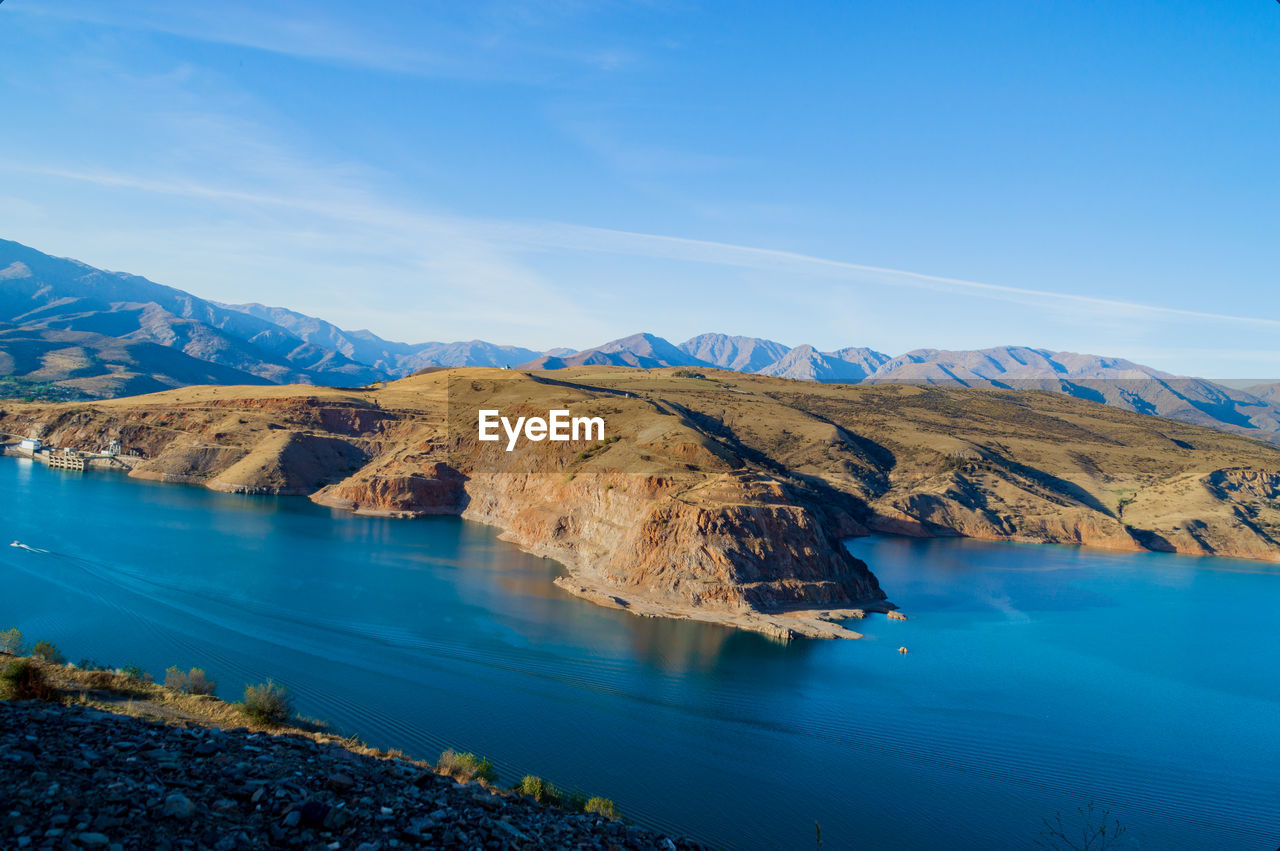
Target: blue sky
column 1088, row 176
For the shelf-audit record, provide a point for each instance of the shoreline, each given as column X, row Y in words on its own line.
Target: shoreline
column 779, row 626
column 782, row 624
column 819, row 621
column 877, row 524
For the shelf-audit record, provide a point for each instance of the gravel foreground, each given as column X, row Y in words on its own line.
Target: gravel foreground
column 78, row 777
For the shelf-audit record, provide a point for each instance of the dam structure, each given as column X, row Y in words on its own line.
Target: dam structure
column 111, row 458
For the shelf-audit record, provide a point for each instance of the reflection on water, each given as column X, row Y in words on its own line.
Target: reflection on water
column 1039, row 678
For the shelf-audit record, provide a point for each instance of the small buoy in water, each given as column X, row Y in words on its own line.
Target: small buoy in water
column 902, row 650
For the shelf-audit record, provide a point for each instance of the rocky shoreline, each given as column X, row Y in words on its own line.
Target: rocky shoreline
column 79, row 777
column 782, row 625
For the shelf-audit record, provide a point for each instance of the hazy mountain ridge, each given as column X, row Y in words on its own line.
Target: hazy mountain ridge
column 1107, row 380
column 394, row 359
column 807, row 364
column 1007, row 362
column 43, row 294
column 1269, row 393
column 644, row 351
column 45, row 299
column 741, row 354
column 99, row 366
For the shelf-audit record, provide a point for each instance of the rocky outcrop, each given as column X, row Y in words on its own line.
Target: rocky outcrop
column 737, row 543
column 438, row 489
column 997, row 508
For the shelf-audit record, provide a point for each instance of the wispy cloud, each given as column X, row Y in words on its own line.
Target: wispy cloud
column 481, row 238
column 584, row 238
column 602, row 138
column 134, row 147
column 425, row 269
column 514, row 43
column 251, row 26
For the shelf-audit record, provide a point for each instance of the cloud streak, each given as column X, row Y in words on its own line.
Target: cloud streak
column 500, row 237
column 585, row 238
column 464, row 47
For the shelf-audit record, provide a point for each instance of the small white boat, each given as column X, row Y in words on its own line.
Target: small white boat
column 16, row 544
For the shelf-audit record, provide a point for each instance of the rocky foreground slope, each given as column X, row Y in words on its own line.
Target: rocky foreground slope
column 75, row 776
column 715, row 495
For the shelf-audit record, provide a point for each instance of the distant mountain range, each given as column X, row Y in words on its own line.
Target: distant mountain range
column 392, row 360
column 106, row 334
column 644, row 351
column 101, row 334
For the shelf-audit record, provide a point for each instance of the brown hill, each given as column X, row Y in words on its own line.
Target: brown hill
column 716, row 495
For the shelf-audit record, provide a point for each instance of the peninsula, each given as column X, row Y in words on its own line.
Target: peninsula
column 715, row 495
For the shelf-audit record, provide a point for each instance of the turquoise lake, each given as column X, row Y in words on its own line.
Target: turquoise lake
column 1040, row 679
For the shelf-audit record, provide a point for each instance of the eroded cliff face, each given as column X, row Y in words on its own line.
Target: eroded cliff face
column 436, row 489
column 1227, row 512
column 974, row 503
column 737, row 542
column 717, row 499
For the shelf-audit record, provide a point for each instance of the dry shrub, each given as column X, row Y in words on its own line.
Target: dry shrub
column 23, row 679
column 45, row 651
column 539, row 789
column 601, row 807
column 194, row 681
column 11, row 642
column 268, row 703
column 465, row 767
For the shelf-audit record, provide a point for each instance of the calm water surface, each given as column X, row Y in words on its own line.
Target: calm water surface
column 1040, row 679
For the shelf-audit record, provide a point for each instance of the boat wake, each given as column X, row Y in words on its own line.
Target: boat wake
column 23, row 546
